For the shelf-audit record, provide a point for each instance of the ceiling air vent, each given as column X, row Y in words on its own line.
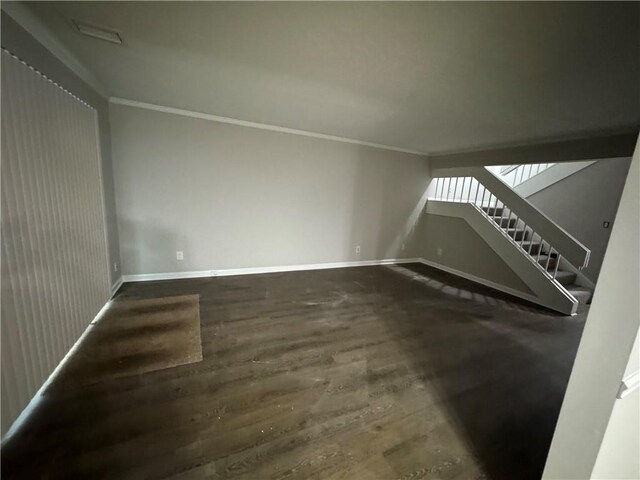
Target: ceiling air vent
column 97, row 32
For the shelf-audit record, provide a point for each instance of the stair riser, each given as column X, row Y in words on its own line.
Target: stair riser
column 517, row 235
column 534, row 248
column 505, row 222
column 582, row 297
column 566, row 280
column 552, row 263
column 494, row 212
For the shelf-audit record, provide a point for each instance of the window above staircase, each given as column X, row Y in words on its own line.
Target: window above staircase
column 514, row 175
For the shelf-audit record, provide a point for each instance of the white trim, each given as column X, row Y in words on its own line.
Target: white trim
column 323, row 266
column 481, row 281
column 150, row 277
column 21, row 14
column 116, row 286
column 629, row 384
column 262, row 126
column 317, row 266
column 35, row 400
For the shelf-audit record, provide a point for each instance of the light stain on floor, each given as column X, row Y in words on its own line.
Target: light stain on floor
column 134, row 337
column 360, row 373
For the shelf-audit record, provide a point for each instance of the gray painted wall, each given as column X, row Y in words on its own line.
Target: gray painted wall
column 464, row 250
column 582, row 202
column 232, row 197
column 19, row 42
column 604, row 352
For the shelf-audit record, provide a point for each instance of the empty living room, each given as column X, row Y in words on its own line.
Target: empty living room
column 320, row 240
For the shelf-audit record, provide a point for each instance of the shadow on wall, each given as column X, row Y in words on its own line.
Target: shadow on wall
column 378, row 195
column 503, row 386
column 151, row 244
column 583, row 201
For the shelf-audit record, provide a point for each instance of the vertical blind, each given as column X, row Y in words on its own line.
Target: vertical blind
column 54, row 260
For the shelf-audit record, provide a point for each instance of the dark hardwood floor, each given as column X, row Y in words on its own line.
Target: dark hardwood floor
column 373, row 372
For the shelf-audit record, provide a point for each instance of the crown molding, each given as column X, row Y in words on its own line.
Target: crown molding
column 262, row 126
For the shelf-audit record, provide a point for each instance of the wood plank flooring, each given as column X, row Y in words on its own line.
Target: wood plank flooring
column 398, row 372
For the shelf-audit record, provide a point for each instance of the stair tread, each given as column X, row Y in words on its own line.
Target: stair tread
column 564, row 274
column 511, row 231
column 564, row 278
column 526, row 244
column 573, row 288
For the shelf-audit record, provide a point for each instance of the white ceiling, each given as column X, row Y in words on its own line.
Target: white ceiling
column 430, row 77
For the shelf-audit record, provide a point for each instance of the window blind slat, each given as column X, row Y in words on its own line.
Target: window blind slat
column 54, row 260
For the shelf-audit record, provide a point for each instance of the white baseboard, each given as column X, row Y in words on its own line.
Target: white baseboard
column 150, row 277
column 116, row 286
column 482, row 281
column 312, row 266
column 258, row 270
column 33, row 403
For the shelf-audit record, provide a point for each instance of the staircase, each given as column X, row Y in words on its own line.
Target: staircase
column 540, row 252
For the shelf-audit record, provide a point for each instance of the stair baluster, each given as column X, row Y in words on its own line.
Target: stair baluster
column 546, row 267
column 504, row 207
column 540, row 250
column 555, row 270
column 533, row 236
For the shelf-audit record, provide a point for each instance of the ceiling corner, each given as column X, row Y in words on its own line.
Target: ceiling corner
column 24, row 17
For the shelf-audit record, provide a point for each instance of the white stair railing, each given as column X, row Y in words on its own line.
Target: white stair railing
column 470, row 190
column 572, row 250
column 514, row 175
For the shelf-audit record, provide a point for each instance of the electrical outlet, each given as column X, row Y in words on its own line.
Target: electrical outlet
column 179, row 255
column 605, row 224
column 358, row 249
column 439, row 252
column 115, row 266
